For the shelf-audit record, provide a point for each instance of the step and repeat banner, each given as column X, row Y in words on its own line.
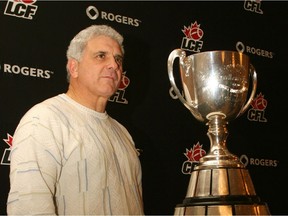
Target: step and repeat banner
column 34, row 36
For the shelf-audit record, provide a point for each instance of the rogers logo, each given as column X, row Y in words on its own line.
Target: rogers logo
column 27, row 71
column 245, row 160
column 241, row 47
column 93, row 14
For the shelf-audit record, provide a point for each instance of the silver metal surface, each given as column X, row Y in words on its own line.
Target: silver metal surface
column 214, row 82
column 227, row 210
column 215, row 86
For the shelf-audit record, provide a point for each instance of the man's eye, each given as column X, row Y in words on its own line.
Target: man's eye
column 101, row 56
column 119, row 59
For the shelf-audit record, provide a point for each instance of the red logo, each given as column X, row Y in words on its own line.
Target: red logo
column 6, row 155
column 125, row 81
column 195, row 153
column 259, row 103
column 26, row 1
column 193, row 32
column 9, row 140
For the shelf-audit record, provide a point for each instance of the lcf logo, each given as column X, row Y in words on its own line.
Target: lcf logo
column 6, row 155
column 21, row 8
column 192, row 40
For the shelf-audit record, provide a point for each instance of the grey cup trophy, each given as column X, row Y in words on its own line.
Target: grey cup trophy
column 215, row 88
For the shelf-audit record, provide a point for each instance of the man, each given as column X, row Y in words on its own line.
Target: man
column 69, row 156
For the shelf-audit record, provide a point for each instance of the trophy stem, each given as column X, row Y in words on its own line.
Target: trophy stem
column 219, row 155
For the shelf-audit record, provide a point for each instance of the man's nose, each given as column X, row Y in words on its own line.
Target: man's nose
column 113, row 63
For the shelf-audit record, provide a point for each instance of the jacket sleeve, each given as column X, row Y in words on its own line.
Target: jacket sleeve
column 35, row 164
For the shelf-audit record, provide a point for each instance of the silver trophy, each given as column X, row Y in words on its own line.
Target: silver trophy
column 214, row 87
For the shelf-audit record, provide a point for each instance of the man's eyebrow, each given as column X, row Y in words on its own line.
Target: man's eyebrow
column 99, row 53
column 118, row 56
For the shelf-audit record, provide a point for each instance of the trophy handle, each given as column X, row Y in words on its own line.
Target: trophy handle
column 177, row 53
column 253, row 75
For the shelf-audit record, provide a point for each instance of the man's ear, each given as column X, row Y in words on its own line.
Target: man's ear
column 72, row 66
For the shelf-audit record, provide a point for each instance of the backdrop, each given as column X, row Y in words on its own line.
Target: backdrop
column 33, row 41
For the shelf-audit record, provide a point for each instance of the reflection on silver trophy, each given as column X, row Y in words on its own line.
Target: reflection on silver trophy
column 214, row 88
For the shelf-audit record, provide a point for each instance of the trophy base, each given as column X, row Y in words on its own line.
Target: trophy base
column 221, row 191
column 222, row 209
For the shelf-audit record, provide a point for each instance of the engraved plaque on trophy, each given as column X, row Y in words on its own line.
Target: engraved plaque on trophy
column 214, row 88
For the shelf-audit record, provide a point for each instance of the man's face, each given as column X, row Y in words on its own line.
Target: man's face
column 100, row 68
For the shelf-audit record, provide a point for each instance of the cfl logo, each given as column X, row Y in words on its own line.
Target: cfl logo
column 253, row 6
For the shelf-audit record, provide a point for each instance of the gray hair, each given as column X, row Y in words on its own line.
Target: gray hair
column 79, row 42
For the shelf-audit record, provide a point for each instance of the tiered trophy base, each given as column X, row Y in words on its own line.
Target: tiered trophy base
column 221, row 191
column 222, row 206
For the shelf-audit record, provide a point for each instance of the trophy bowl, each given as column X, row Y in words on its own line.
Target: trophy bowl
column 214, row 83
